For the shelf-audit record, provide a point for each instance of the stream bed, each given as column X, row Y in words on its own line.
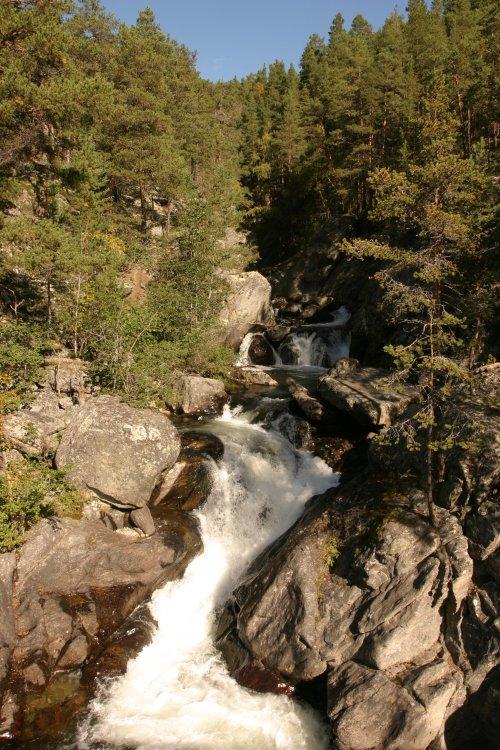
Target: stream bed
column 177, row 693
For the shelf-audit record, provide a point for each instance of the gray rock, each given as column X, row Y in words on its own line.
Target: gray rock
column 248, row 303
column 142, row 518
column 308, row 405
column 7, row 626
column 250, row 376
column 367, row 593
column 197, row 395
column 483, row 530
column 365, row 394
column 118, row 453
column 78, row 579
column 369, row 709
column 290, row 614
column 35, row 431
column 68, row 376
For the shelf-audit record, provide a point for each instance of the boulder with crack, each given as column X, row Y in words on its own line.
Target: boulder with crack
column 118, row 454
column 364, row 393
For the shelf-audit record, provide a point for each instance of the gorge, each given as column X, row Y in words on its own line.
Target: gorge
column 249, row 424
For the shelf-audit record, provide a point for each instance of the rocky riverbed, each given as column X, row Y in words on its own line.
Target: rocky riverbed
column 353, row 603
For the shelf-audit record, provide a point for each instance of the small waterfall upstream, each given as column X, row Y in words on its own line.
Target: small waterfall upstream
column 178, row 694
column 310, row 345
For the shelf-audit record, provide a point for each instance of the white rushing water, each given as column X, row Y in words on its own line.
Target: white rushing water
column 311, row 345
column 178, row 693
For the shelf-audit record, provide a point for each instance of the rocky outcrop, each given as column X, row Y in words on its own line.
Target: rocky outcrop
column 248, row 303
column 253, row 376
column 365, row 595
column 369, row 708
column 196, row 395
column 74, row 584
column 35, row 430
column 364, row 393
column 118, row 453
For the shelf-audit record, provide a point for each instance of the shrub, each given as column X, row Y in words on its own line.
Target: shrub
column 30, row 491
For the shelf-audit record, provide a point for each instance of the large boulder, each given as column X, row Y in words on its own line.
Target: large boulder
column 74, row 584
column 364, row 393
column 369, row 708
column 367, row 601
column 248, row 303
column 196, row 395
column 118, row 453
column 35, row 430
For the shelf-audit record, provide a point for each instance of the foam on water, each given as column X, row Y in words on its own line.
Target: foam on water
column 178, row 694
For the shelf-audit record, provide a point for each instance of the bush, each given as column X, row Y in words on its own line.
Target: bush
column 21, row 357
column 30, row 491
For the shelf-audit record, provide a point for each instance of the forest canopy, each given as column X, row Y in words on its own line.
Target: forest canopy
column 118, row 161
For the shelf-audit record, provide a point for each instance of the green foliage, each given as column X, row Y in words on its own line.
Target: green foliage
column 332, row 551
column 22, row 346
column 357, row 119
column 114, row 154
column 30, row 491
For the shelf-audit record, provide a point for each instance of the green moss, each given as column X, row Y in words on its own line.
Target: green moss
column 332, row 550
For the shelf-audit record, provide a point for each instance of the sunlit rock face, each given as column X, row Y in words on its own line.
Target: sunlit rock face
column 116, row 452
column 248, row 302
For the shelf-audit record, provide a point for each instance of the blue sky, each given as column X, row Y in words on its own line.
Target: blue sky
column 236, row 37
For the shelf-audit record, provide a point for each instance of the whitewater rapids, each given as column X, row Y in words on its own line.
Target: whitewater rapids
column 178, row 694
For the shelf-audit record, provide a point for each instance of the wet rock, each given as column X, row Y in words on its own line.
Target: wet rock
column 118, row 453
column 297, row 431
column 248, row 303
column 77, row 581
column 308, row 405
column 276, row 334
column 193, row 485
column 252, row 376
column 197, row 395
column 260, row 351
column 364, row 393
column 202, row 443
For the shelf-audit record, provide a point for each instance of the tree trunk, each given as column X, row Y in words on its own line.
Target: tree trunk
column 49, row 302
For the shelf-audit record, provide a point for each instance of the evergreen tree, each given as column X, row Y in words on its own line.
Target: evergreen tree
column 439, row 201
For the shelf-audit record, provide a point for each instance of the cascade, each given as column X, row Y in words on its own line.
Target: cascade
column 178, row 692
column 310, row 345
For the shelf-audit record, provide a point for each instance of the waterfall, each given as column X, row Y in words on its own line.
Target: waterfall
column 315, row 349
column 244, row 353
column 311, row 345
column 178, row 694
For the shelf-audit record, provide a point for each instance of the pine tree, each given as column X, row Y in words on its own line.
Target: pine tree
column 438, row 201
column 395, row 92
